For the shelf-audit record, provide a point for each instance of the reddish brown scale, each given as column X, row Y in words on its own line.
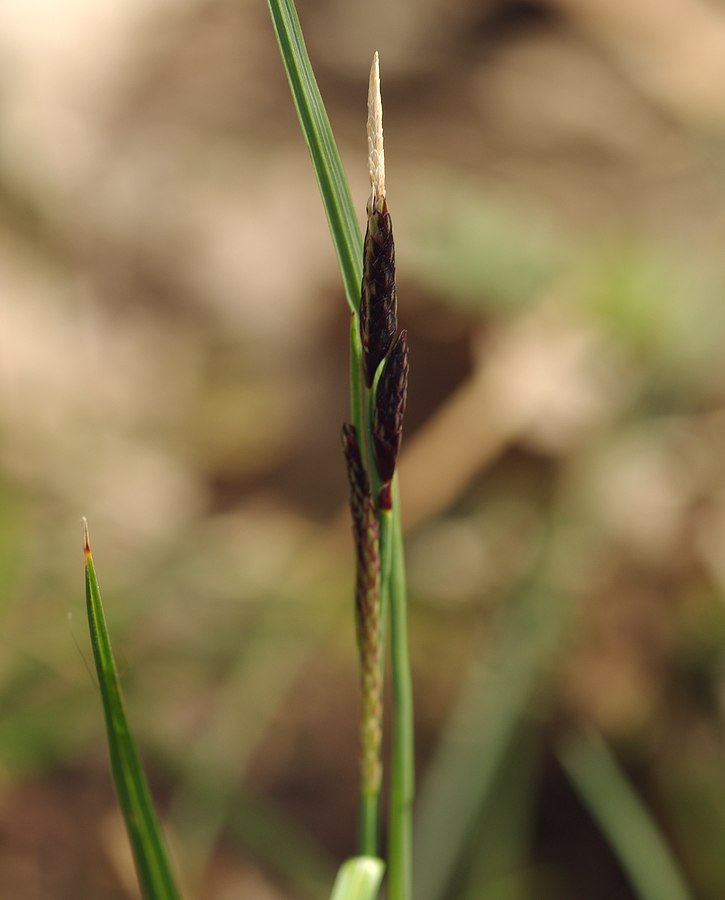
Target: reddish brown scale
column 385, row 497
column 357, row 476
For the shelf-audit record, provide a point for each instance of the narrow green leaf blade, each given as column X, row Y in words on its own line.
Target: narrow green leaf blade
column 623, row 818
column 358, row 879
column 144, row 832
column 480, row 733
column 323, row 149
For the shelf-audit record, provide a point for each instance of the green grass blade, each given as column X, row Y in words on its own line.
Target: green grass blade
column 316, row 128
column 623, row 818
column 500, row 866
column 144, row 832
column 358, row 879
column 480, row 734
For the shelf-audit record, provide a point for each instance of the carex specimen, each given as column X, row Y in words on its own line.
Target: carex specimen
column 371, row 459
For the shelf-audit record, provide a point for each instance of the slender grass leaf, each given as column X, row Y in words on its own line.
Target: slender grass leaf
column 320, row 140
column 147, row 842
column 623, row 818
column 502, row 838
column 358, row 879
column 480, row 734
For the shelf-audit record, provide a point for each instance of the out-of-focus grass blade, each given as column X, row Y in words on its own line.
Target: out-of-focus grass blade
column 502, row 837
column 621, row 815
column 479, row 736
column 144, row 832
column 358, row 879
column 335, row 192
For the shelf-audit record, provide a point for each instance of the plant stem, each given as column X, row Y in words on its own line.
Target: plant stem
column 368, row 825
column 402, row 773
column 356, row 396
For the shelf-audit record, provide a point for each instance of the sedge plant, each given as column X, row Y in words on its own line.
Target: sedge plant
column 371, row 443
column 378, row 384
column 378, row 376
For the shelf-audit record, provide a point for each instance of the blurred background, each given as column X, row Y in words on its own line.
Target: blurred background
column 173, row 365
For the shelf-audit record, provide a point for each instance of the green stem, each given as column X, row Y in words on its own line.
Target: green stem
column 368, row 824
column 357, row 416
column 402, row 773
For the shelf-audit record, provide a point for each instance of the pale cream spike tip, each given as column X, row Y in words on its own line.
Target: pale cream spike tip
column 376, row 153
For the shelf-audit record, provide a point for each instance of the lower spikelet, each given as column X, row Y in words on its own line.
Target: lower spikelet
column 367, row 611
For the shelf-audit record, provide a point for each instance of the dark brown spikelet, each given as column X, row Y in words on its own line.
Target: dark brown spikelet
column 367, row 609
column 364, row 527
column 359, row 484
column 378, row 301
column 390, row 399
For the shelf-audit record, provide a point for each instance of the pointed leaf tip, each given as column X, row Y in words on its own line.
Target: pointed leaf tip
column 86, row 538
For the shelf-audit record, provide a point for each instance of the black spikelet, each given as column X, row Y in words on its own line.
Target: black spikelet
column 378, row 299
